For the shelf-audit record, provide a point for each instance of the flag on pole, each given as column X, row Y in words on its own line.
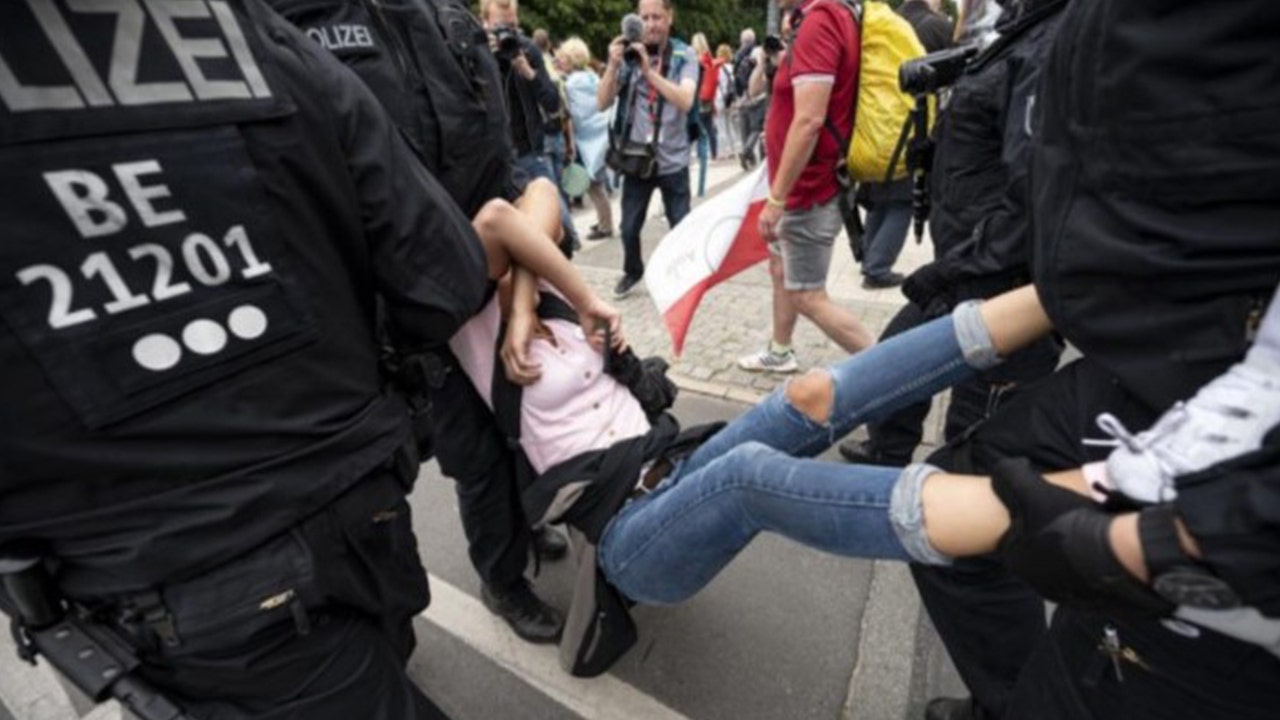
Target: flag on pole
column 716, row 241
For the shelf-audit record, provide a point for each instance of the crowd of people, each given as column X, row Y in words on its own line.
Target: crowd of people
column 267, row 256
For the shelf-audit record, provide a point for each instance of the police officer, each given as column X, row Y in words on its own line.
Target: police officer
column 428, row 63
column 980, row 223
column 1157, row 264
column 201, row 206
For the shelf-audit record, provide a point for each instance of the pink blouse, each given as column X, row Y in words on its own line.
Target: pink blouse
column 573, row 408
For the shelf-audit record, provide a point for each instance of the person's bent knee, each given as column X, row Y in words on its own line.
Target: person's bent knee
column 491, row 216
column 813, row 394
column 807, row 302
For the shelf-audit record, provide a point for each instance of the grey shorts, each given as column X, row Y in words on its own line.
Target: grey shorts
column 804, row 242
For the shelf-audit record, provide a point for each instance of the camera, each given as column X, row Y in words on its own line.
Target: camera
column 508, row 42
column 935, row 70
column 773, row 44
column 632, row 32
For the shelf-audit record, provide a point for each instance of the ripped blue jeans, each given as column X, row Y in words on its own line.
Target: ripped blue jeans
column 752, row 476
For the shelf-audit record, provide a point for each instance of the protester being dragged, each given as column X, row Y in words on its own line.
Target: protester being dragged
column 590, row 129
column 654, row 78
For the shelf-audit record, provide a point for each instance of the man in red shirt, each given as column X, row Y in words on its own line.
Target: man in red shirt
column 813, row 98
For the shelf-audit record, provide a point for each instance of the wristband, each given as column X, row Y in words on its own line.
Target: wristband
column 772, row 201
column 1158, row 535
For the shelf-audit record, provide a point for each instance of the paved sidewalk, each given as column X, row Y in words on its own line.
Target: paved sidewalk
column 733, row 319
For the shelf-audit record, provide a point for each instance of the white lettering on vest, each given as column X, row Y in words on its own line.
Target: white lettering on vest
column 342, row 37
column 84, row 196
column 126, row 57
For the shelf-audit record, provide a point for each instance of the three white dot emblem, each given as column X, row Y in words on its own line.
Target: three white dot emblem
column 158, row 352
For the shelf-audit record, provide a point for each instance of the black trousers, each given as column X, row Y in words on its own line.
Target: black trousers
column 1187, row 672
column 894, row 440
column 354, row 567
column 471, row 450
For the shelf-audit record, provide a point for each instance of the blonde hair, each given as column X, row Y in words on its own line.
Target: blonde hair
column 504, row 4
column 724, row 52
column 700, row 44
column 575, row 53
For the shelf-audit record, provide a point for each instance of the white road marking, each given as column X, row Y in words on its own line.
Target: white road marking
column 600, row 698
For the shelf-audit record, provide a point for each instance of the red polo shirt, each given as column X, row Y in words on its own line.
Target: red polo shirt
column 826, row 50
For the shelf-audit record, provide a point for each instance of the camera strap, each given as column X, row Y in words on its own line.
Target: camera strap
column 656, row 109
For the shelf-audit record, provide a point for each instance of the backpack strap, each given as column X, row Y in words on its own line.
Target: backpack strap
column 842, row 171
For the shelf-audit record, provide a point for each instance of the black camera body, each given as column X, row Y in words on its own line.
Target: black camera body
column 508, row 42
column 934, row 71
column 632, row 32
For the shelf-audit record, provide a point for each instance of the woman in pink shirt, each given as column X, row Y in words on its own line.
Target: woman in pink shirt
column 669, row 510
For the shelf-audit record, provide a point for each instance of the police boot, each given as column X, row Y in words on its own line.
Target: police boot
column 529, row 617
column 863, row 452
column 549, row 544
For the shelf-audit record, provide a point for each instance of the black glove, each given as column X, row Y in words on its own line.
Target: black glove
column 929, row 286
column 1058, row 544
column 646, row 379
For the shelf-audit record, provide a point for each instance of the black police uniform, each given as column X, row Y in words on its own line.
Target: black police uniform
column 989, row 620
column 428, row 63
column 201, row 207
column 1156, row 186
column 979, row 222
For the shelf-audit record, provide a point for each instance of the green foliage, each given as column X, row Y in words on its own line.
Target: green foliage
column 597, row 21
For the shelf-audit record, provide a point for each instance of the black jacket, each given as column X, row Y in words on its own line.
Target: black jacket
column 428, row 63
column 981, row 218
column 934, row 30
column 1157, row 195
column 538, row 98
column 213, row 377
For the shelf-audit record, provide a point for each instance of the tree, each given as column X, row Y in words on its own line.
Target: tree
column 598, row 21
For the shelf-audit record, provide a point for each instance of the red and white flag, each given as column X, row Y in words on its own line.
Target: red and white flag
column 716, row 241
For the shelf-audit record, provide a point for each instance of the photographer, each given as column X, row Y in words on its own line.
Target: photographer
column 532, row 96
column 755, row 102
column 656, row 77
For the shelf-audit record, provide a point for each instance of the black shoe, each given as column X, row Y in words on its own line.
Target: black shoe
column 599, row 233
column 891, row 280
column 549, row 544
column 624, row 286
column 531, row 619
column 953, row 709
column 861, row 452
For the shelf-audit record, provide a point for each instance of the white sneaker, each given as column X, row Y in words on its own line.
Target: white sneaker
column 1226, row 418
column 769, row 361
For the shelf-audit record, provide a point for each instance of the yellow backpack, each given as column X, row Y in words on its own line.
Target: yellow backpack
column 882, row 108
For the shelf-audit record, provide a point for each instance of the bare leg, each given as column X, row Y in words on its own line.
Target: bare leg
column 604, row 211
column 837, row 322
column 1015, row 319
column 963, row 516
column 784, row 311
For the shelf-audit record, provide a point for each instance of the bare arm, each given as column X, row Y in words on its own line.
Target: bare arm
column 607, row 90
column 802, row 137
column 681, row 94
column 757, row 84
